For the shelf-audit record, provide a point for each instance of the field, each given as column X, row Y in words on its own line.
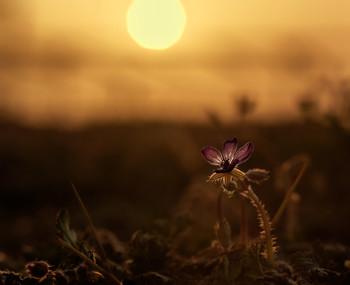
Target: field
column 144, row 186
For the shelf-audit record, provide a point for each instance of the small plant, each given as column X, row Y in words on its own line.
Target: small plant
column 153, row 257
column 232, row 180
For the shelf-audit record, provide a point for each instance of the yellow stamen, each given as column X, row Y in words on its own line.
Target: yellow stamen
column 238, row 173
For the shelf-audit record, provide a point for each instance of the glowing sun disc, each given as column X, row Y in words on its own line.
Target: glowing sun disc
column 156, row 24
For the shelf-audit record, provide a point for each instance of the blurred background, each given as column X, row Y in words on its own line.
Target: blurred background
column 81, row 101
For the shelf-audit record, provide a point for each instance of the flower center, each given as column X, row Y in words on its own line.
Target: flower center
column 225, row 164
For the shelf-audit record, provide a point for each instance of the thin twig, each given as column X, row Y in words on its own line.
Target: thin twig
column 99, row 246
column 243, row 221
column 111, row 278
column 219, row 207
column 281, row 209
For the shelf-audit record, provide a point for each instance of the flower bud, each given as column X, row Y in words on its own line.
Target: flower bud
column 38, row 269
column 257, row 175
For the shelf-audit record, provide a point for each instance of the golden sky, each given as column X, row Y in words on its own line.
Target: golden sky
column 73, row 60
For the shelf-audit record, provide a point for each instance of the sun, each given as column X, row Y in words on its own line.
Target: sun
column 156, row 24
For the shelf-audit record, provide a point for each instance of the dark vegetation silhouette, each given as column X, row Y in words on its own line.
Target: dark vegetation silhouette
column 144, row 187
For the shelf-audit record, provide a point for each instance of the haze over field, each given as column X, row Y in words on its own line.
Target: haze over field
column 74, row 61
column 249, row 92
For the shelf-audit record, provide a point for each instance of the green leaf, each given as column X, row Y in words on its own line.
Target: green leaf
column 63, row 228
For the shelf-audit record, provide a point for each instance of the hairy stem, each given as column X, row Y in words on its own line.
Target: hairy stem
column 265, row 221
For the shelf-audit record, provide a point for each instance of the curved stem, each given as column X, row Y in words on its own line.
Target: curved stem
column 265, row 220
column 267, row 226
column 281, row 209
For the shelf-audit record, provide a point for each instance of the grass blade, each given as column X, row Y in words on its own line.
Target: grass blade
column 99, row 246
column 284, row 204
column 110, row 277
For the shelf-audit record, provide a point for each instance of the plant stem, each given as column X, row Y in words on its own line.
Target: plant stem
column 281, row 209
column 99, row 246
column 266, row 223
column 219, row 208
column 243, row 221
column 110, row 277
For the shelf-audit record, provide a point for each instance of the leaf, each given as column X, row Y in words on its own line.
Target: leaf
column 307, row 265
column 63, row 228
column 235, row 256
column 282, row 273
column 252, row 262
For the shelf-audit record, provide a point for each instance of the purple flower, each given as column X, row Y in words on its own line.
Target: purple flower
column 230, row 156
column 227, row 161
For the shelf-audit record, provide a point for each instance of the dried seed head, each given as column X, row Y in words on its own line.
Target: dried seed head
column 38, row 269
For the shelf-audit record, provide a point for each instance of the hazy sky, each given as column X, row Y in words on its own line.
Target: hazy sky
column 73, row 60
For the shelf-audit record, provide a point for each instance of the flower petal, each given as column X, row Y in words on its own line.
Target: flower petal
column 212, row 155
column 229, row 149
column 243, row 154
